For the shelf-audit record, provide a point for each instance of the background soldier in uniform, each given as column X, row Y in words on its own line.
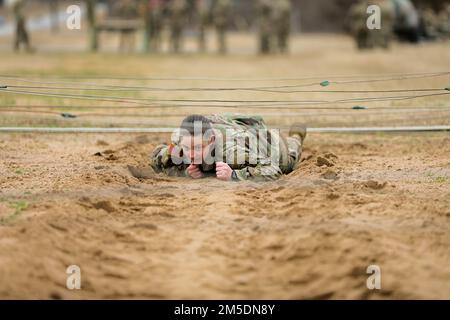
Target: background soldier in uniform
column 429, row 24
column 53, row 10
column 21, row 36
column 213, row 151
column 407, row 21
column 444, row 22
column 220, row 13
column 264, row 16
column 358, row 23
column 282, row 23
column 155, row 23
column 127, row 10
column 203, row 19
column 177, row 11
column 382, row 37
column 366, row 38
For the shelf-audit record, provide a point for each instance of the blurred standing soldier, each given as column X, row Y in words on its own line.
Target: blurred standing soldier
column 282, row 23
column 358, row 24
column 220, row 13
column 21, row 36
column 429, row 24
column 93, row 30
column 264, row 16
column 128, row 10
column 177, row 11
column 444, row 22
column 53, row 6
column 204, row 17
column 365, row 37
column 407, row 20
column 154, row 24
column 382, row 37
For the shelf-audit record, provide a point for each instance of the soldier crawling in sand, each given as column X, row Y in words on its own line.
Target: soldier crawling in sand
column 229, row 147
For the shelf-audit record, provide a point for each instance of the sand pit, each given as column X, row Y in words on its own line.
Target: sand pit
column 356, row 200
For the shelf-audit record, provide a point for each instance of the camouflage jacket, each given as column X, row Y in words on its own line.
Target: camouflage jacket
column 243, row 142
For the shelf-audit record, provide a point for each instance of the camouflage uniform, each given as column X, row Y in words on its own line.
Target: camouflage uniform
column 265, row 14
column 382, row 37
column 177, row 11
column 258, row 162
column 282, row 23
column 21, row 36
column 155, row 24
column 366, row 38
column 204, row 17
column 220, row 13
column 430, row 24
column 407, row 21
column 53, row 6
column 444, row 22
column 127, row 10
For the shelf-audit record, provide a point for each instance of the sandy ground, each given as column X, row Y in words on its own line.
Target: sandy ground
column 382, row 199
column 312, row 234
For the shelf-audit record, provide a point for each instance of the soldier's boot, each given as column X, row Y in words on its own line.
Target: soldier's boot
column 298, row 131
column 297, row 135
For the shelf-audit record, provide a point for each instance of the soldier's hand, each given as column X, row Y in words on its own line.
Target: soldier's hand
column 223, row 171
column 194, row 172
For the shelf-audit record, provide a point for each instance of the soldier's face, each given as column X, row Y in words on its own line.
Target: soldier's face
column 196, row 148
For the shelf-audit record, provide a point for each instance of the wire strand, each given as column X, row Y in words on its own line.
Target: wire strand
column 111, row 77
column 261, row 88
column 297, row 103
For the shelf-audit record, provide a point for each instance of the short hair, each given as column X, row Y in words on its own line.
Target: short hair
column 189, row 123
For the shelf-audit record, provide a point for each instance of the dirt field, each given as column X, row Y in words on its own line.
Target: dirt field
column 383, row 199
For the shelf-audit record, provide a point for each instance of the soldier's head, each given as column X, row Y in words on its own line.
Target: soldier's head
column 196, row 138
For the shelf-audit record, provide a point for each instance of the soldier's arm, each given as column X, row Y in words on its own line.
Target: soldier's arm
column 263, row 167
column 259, row 172
column 161, row 161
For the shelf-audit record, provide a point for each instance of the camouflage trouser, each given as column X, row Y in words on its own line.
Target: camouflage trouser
column 202, row 28
column 176, row 37
column 264, row 42
column 282, row 39
column 202, row 38
column 366, row 39
column 221, row 37
column 155, row 33
column 21, row 35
